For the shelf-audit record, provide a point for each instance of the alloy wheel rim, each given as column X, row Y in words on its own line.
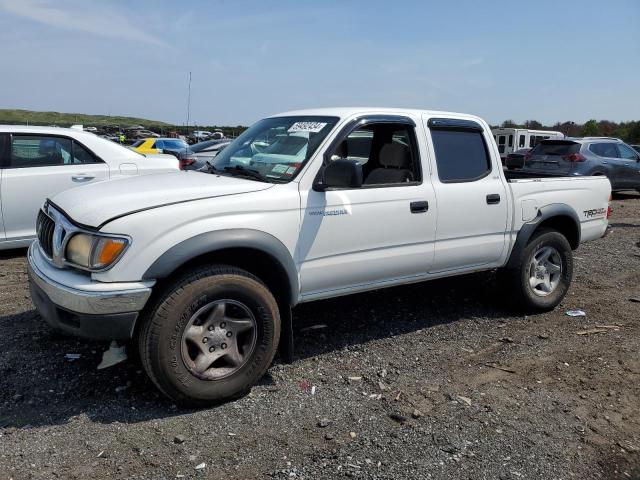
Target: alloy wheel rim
column 219, row 339
column 545, row 271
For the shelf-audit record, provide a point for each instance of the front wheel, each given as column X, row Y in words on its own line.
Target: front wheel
column 210, row 336
column 544, row 274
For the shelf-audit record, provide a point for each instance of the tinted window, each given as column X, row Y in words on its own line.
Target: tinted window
column 174, row 144
column 39, row 151
column 461, row 156
column 521, row 140
column 555, row 148
column 501, row 140
column 82, row 155
column 3, row 144
column 511, row 140
column 627, row 152
column 608, row 150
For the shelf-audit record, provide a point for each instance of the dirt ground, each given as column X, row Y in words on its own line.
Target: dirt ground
column 436, row 380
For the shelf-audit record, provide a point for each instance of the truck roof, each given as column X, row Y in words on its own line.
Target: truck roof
column 343, row 112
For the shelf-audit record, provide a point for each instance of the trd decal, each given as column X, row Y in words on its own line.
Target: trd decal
column 595, row 212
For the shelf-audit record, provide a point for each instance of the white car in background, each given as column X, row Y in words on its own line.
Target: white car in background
column 38, row 162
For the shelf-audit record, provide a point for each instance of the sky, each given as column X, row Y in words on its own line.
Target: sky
column 545, row 60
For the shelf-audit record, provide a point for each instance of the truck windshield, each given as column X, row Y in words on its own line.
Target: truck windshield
column 274, row 149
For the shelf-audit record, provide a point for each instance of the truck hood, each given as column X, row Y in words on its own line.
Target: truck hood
column 95, row 204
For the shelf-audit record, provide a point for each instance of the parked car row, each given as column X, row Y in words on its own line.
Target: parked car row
column 206, row 151
column 172, row 146
column 511, row 140
column 191, row 157
column 201, row 135
column 587, row 156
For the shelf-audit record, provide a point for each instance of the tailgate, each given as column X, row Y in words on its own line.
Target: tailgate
column 557, row 156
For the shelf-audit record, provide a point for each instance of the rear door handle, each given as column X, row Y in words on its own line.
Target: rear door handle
column 419, row 207
column 82, row 178
column 493, row 198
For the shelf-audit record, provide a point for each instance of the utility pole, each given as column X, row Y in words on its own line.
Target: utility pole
column 189, row 103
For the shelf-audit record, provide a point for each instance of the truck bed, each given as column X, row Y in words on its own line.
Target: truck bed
column 511, row 175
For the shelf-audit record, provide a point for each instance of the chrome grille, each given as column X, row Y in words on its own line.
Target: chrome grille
column 45, row 227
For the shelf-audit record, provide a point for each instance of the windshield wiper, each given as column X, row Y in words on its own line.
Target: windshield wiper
column 246, row 172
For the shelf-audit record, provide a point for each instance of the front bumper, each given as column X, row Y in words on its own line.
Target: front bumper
column 71, row 302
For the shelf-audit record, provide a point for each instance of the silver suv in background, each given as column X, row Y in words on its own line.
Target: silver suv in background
column 586, row 156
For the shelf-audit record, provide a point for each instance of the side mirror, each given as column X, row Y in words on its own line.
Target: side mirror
column 339, row 174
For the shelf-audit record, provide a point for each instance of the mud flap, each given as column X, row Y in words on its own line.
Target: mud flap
column 285, row 348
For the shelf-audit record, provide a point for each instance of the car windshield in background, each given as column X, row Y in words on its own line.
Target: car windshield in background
column 198, row 147
column 555, row 148
column 275, row 148
column 175, row 144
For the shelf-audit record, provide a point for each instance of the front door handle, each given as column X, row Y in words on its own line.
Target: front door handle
column 419, row 207
column 493, row 198
column 82, row 178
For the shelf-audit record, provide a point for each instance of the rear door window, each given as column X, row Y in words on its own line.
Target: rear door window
column 39, row 151
column 461, row 156
column 82, row 155
column 521, row 141
column 4, row 140
column 607, row 150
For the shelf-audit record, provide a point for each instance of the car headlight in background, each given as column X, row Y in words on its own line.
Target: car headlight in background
column 94, row 252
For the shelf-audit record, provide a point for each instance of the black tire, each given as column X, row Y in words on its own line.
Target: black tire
column 161, row 334
column 517, row 280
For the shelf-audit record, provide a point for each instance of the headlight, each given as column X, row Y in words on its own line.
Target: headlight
column 94, row 252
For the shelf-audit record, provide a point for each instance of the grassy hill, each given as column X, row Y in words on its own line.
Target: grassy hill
column 29, row 117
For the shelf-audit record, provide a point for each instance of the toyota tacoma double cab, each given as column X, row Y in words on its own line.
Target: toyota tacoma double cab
column 202, row 269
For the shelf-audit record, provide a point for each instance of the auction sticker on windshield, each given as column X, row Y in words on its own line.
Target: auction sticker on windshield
column 279, row 168
column 310, row 127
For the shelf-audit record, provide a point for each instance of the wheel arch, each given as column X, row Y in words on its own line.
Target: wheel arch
column 255, row 251
column 557, row 216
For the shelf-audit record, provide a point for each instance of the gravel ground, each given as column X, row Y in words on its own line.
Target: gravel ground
column 436, row 380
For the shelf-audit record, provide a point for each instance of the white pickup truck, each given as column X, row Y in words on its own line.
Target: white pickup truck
column 203, row 269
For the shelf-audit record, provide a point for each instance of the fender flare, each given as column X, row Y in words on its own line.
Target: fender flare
column 527, row 229
column 210, row 242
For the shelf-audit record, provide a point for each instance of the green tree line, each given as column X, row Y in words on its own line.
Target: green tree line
column 626, row 131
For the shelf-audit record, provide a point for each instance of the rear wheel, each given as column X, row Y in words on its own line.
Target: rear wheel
column 544, row 272
column 210, row 336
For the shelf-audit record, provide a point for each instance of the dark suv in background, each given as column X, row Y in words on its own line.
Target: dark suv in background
column 584, row 156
